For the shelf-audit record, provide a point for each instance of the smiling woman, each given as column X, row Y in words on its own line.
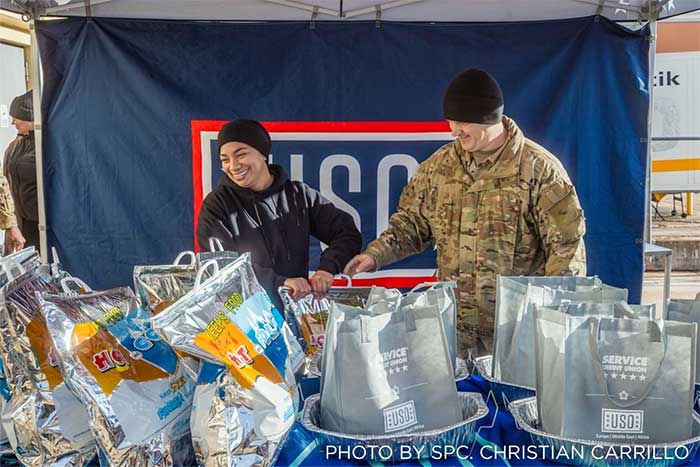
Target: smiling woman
column 245, row 163
column 256, row 208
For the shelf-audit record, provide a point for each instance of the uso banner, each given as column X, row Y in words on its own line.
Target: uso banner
column 132, row 108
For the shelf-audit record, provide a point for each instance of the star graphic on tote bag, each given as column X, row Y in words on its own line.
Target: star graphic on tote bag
column 624, row 395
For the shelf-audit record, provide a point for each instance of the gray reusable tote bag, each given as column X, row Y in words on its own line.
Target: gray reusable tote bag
column 514, row 331
column 387, row 373
column 614, row 380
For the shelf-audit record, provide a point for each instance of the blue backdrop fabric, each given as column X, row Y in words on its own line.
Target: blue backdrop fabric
column 121, row 96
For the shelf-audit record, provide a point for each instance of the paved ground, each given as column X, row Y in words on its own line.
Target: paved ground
column 683, row 285
column 675, row 227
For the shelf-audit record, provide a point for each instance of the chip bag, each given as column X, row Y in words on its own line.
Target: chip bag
column 308, row 316
column 230, row 320
column 135, row 387
column 45, row 423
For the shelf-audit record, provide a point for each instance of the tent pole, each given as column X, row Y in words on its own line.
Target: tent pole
column 38, row 137
column 653, row 16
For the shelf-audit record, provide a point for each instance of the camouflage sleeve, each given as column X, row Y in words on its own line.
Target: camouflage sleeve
column 409, row 227
column 7, row 206
column 561, row 226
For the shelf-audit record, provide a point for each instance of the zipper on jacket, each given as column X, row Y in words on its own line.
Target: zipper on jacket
column 262, row 231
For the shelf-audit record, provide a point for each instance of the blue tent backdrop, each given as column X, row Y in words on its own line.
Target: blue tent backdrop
column 121, row 96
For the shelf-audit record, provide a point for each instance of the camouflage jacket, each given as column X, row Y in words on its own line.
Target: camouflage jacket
column 7, row 206
column 521, row 216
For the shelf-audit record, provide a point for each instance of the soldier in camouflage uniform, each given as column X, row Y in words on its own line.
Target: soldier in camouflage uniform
column 14, row 240
column 492, row 202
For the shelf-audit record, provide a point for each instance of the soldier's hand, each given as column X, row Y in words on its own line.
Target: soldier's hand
column 299, row 285
column 360, row 263
column 320, row 283
column 14, row 240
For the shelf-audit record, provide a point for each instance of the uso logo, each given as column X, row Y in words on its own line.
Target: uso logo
column 361, row 167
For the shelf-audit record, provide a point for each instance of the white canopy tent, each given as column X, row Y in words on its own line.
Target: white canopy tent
column 390, row 10
column 638, row 12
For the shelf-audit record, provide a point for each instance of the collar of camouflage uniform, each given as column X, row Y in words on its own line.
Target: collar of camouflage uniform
column 506, row 159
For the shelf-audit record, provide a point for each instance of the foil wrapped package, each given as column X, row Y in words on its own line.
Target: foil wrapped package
column 45, row 423
column 308, row 316
column 582, row 452
column 135, row 387
column 222, row 418
column 17, row 263
column 208, row 421
column 230, row 320
column 4, row 397
column 216, row 252
column 11, row 267
column 462, row 433
column 159, row 286
column 222, row 258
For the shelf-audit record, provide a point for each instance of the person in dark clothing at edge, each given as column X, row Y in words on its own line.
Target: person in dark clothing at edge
column 19, row 167
column 256, row 208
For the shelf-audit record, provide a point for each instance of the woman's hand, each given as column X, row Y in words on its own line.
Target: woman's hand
column 300, row 287
column 320, row 283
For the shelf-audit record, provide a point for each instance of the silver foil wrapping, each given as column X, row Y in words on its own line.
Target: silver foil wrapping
column 158, row 287
column 45, row 423
column 4, row 396
column 134, row 386
column 241, row 418
column 584, row 452
column 504, row 393
column 199, row 317
column 223, row 427
column 15, row 264
column 473, row 409
column 308, row 316
column 223, row 259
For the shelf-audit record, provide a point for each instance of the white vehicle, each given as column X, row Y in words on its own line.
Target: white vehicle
column 676, row 108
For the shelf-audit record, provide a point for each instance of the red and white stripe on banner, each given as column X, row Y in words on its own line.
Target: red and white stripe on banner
column 204, row 132
column 394, row 278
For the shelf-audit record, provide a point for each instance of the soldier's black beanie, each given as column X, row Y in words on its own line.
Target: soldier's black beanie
column 473, row 96
column 22, row 107
column 250, row 132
